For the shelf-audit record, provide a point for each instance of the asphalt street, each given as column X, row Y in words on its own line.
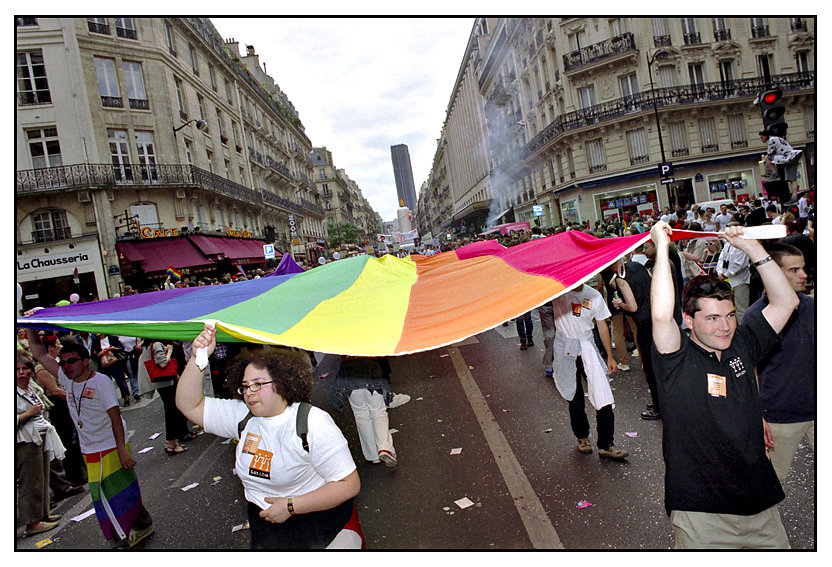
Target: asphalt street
column 484, row 428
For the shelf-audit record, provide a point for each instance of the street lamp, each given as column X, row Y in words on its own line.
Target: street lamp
column 658, row 54
column 201, row 125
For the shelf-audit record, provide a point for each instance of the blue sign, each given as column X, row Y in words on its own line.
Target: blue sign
column 268, row 251
column 537, row 210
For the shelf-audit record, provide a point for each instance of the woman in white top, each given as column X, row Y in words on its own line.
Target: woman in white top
column 298, row 497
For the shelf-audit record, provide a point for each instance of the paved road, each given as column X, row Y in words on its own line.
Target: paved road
column 518, row 466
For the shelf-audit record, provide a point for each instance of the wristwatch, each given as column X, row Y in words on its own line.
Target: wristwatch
column 290, row 507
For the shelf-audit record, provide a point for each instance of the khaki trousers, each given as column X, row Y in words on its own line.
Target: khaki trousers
column 701, row 530
column 787, row 436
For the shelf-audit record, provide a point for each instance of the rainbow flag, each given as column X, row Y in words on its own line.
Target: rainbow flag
column 174, row 274
column 119, row 487
column 364, row 306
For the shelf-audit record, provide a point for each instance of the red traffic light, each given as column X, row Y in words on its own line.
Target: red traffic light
column 770, row 98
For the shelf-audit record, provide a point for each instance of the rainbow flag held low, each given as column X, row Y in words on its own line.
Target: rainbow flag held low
column 364, row 306
column 174, row 274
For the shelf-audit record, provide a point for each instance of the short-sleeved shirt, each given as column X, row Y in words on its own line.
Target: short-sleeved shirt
column 714, row 453
column 575, row 311
column 88, row 403
column 639, row 280
column 271, row 460
column 788, row 391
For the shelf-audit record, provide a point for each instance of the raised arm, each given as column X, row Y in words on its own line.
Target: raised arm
column 782, row 300
column 39, row 352
column 189, row 397
column 627, row 301
column 666, row 334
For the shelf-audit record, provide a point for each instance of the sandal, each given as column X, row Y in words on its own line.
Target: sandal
column 175, row 450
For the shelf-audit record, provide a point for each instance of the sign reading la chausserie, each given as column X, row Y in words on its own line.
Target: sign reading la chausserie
column 51, row 261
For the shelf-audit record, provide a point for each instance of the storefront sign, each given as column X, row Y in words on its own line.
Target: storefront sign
column 48, row 262
column 293, row 230
column 147, row 232
column 238, row 233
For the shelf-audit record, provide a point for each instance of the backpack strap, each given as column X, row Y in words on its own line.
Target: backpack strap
column 302, row 425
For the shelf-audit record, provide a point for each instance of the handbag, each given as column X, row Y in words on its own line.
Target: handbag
column 159, row 374
column 108, row 359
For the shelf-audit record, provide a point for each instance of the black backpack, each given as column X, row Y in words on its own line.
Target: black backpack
column 302, row 424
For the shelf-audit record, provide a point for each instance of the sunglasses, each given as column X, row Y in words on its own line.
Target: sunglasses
column 65, row 361
column 708, row 287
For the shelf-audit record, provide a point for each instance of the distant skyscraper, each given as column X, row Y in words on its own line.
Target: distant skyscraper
column 404, row 176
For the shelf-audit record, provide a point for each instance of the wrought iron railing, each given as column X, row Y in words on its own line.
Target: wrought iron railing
column 598, row 51
column 51, row 234
column 759, row 31
column 722, row 34
column 661, row 41
column 666, row 97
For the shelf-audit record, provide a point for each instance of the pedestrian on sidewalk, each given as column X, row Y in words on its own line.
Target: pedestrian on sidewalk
column 547, row 326
column 37, row 444
column 164, row 356
column 299, row 488
column 577, row 357
column 525, row 326
column 362, row 381
column 93, row 406
column 721, row 490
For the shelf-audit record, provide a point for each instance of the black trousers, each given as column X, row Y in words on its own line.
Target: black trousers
column 176, row 424
column 604, row 418
column 644, row 338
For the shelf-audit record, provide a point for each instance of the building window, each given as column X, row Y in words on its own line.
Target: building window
column 764, row 66
column 126, row 28
column 32, row 86
column 809, row 120
column 50, row 226
column 134, row 83
column 146, row 214
column 210, row 157
column 193, row 56
column 796, row 24
column 105, row 69
column 147, row 155
column 595, row 156
column 220, row 121
column 228, row 92
column 23, row 22
column 200, row 102
column 667, row 76
column 212, row 77
column 618, row 26
column 98, row 25
column 629, row 89
column 759, row 27
column 170, row 39
column 637, row 145
column 661, row 35
column 690, row 32
column 577, row 40
column 180, row 99
column 678, row 138
column 802, row 61
column 120, row 155
column 738, row 131
column 586, row 96
column 44, row 148
column 721, row 31
column 707, row 136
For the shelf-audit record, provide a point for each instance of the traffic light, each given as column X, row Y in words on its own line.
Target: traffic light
column 773, row 111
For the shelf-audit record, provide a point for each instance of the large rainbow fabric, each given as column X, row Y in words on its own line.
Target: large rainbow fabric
column 121, row 489
column 363, row 306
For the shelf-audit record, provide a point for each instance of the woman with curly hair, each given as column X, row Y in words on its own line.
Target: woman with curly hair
column 299, row 496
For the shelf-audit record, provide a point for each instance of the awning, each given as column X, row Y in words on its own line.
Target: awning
column 238, row 250
column 157, row 254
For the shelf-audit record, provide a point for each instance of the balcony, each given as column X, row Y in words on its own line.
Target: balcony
column 97, row 27
column 666, row 97
column 722, row 35
column 692, row 38
column 599, row 51
column 126, row 33
column 661, row 41
column 759, row 31
column 51, row 234
column 112, row 101
column 139, row 104
column 798, row 25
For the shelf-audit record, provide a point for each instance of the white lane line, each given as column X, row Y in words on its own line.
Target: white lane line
column 541, row 532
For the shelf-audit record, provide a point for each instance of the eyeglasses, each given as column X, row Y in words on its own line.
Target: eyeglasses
column 708, row 287
column 65, row 361
column 254, row 387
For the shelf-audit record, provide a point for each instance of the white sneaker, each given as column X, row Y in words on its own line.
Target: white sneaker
column 624, row 367
column 634, row 353
column 398, row 400
column 389, row 459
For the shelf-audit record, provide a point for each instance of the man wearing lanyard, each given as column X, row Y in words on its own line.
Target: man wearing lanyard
column 93, row 406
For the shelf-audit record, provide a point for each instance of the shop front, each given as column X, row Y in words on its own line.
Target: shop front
column 51, row 272
column 736, row 185
column 626, row 204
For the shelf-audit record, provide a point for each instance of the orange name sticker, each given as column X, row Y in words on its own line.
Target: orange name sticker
column 261, row 464
column 576, row 309
column 587, row 303
column 89, row 393
column 251, row 444
column 716, row 386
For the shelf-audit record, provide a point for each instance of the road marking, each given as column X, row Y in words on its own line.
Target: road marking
column 200, row 465
column 541, row 532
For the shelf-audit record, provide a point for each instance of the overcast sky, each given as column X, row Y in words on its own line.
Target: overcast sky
column 363, row 85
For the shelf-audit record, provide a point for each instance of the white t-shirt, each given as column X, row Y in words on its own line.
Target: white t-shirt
column 722, row 220
column 575, row 311
column 93, row 397
column 271, row 460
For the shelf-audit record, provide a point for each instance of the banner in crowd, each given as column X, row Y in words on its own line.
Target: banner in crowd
column 363, row 306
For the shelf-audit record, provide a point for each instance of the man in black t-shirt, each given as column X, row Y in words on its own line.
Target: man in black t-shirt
column 721, row 490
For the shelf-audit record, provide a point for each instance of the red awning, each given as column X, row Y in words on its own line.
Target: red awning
column 157, row 254
column 208, row 245
column 237, row 250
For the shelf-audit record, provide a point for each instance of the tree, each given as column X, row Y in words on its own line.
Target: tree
column 342, row 233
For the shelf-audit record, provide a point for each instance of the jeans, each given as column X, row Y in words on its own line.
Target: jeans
column 524, row 326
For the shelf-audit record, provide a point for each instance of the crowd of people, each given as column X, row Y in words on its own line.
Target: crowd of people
column 703, row 316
